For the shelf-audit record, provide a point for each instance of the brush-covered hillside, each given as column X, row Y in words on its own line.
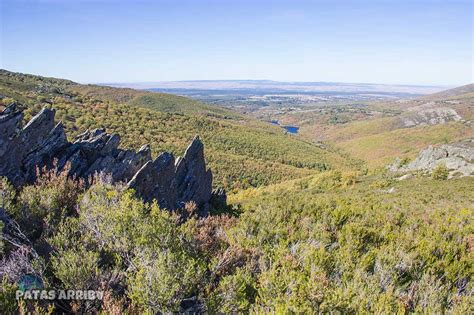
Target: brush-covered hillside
column 384, row 131
column 305, row 230
column 338, row 243
column 333, row 242
column 242, row 152
column 162, row 102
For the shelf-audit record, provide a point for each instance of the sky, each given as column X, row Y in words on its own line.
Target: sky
column 385, row 41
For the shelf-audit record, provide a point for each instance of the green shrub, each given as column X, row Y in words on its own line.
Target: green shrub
column 162, row 266
column 7, row 195
column 440, row 172
column 236, row 293
column 43, row 205
column 77, row 268
column 8, row 302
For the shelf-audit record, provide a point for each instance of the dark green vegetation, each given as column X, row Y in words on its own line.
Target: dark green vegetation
column 242, row 152
column 306, row 240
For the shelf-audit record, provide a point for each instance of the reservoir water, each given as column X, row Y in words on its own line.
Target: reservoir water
column 290, row 129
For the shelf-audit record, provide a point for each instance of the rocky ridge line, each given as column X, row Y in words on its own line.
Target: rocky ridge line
column 43, row 143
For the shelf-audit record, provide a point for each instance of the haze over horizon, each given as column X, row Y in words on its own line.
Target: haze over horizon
column 270, row 81
column 388, row 42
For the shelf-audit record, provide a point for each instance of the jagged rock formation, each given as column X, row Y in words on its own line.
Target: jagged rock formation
column 457, row 157
column 42, row 143
column 175, row 181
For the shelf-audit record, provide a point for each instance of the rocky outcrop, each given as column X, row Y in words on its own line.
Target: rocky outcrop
column 192, row 178
column 157, row 180
column 176, row 181
column 42, row 143
column 457, row 157
column 430, row 116
column 18, row 143
column 429, row 113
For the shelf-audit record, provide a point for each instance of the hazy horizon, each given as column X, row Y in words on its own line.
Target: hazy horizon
column 273, row 81
column 271, row 86
column 243, row 80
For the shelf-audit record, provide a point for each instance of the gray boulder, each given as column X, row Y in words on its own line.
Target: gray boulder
column 10, row 128
column 457, row 157
column 16, row 143
column 45, row 153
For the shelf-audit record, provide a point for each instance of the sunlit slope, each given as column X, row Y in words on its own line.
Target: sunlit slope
column 411, row 126
column 158, row 101
column 378, row 149
column 462, row 92
column 366, row 244
column 241, row 151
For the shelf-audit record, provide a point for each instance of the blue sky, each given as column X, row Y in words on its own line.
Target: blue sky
column 385, row 41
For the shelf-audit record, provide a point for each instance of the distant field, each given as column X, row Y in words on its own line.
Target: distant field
column 381, row 148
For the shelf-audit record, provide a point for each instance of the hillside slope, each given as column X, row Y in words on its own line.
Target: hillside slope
column 241, row 151
column 162, row 102
column 465, row 91
column 407, row 126
column 373, row 244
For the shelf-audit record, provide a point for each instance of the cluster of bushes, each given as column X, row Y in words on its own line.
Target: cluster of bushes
column 103, row 238
column 326, row 243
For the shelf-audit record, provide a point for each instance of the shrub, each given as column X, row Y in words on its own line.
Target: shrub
column 440, row 172
column 7, row 195
column 43, row 205
column 236, row 293
column 77, row 268
column 162, row 265
column 8, row 302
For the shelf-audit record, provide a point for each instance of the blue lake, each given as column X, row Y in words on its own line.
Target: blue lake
column 290, row 129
